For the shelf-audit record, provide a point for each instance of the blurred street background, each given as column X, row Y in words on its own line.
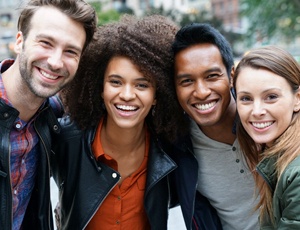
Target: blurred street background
column 245, row 23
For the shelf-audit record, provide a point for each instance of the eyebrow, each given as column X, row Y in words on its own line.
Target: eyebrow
column 265, row 91
column 208, row 71
column 120, row 77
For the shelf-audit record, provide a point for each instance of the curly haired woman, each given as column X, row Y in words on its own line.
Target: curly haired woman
column 110, row 160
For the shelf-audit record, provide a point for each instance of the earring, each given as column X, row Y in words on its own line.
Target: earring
column 153, row 111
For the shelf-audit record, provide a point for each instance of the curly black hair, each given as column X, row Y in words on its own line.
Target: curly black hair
column 147, row 43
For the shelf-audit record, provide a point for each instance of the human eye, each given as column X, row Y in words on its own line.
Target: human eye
column 45, row 43
column 271, row 97
column 142, row 85
column 185, row 81
column 244, row 98
column 214, row 75
column 114, row 82
column 72, row 52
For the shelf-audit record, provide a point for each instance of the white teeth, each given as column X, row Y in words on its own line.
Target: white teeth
column 48, row 75
column 262, row 125
column 205, row 106
column 126, row 107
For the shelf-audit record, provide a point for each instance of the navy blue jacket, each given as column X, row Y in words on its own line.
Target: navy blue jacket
column 196, row 209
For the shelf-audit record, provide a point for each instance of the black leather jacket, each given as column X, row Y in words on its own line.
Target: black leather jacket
column 84, row 183
column 39, row 212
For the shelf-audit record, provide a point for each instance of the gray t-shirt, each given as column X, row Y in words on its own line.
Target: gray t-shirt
column 226, row 181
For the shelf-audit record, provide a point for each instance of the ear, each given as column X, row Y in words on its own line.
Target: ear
column 297, row 101
column 19, row 42
column 231, row 77
column 154, row 101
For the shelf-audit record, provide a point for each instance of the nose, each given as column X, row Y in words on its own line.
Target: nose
column 55, row 60
column 258, row 108
column 201, row 90
column 127, row 93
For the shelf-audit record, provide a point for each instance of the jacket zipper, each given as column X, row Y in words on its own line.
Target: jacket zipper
column 100, row 205
column 48, row 163
column 195, row 189
column 90, row 149
column 11, row 188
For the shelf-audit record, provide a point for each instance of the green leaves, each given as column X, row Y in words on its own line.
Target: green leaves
column 272, row 20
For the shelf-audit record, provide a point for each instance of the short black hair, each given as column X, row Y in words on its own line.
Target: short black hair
column 199, row 33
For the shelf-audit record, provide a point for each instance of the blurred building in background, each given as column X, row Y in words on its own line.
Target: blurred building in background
column 141, row 6
column 227, row 12
column 8, row 26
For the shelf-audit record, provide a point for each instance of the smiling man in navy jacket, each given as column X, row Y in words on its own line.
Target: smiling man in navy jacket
column 212, row 169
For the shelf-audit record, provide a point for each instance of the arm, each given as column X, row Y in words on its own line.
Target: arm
column 287, row 200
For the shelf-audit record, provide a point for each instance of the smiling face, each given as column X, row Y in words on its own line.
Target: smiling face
column 50, row 54
column 128, row 96
column 202, row 84
column 265, row 103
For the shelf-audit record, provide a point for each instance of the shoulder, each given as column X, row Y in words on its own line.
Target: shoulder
column 292, row 170
column 290, row 177
column 56, row 106
column 69, row 129
column 286, row 199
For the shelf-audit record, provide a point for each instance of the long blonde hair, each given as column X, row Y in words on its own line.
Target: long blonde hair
column 286, row 147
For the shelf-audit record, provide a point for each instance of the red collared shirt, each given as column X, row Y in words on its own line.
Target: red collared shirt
column 123, row 207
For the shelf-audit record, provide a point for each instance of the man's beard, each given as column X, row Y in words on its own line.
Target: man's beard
column 26, row 71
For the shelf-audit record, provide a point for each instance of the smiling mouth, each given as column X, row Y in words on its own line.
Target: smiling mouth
column 47, row 75
column 127, row 108
column 206, row 106
column 262, row 125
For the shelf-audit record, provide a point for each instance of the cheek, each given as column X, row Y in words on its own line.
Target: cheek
column 181, row 93
column 182, row 99
column 243, row 112
column 286, row 117
column 106, row 94
column 72, row 66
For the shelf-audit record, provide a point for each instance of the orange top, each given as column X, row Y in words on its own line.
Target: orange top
column 123, row 208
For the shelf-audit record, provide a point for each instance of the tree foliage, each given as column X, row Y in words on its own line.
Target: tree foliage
column 272, row 19
column 105, row 16
column 109, row 15
column 201, row 16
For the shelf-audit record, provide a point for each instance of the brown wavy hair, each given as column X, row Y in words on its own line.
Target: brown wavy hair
column 286, row 147
column 147, row 43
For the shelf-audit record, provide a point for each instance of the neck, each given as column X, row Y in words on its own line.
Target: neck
column 121, row 141
column 222, row 131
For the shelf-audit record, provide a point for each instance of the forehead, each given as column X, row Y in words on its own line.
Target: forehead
column 51, row 21
column 260, row 80
column 199, row 56
column 121, row 63
column 123, row 66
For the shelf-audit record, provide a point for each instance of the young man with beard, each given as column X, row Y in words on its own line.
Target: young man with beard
column 52, row 36
column 213, row 168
